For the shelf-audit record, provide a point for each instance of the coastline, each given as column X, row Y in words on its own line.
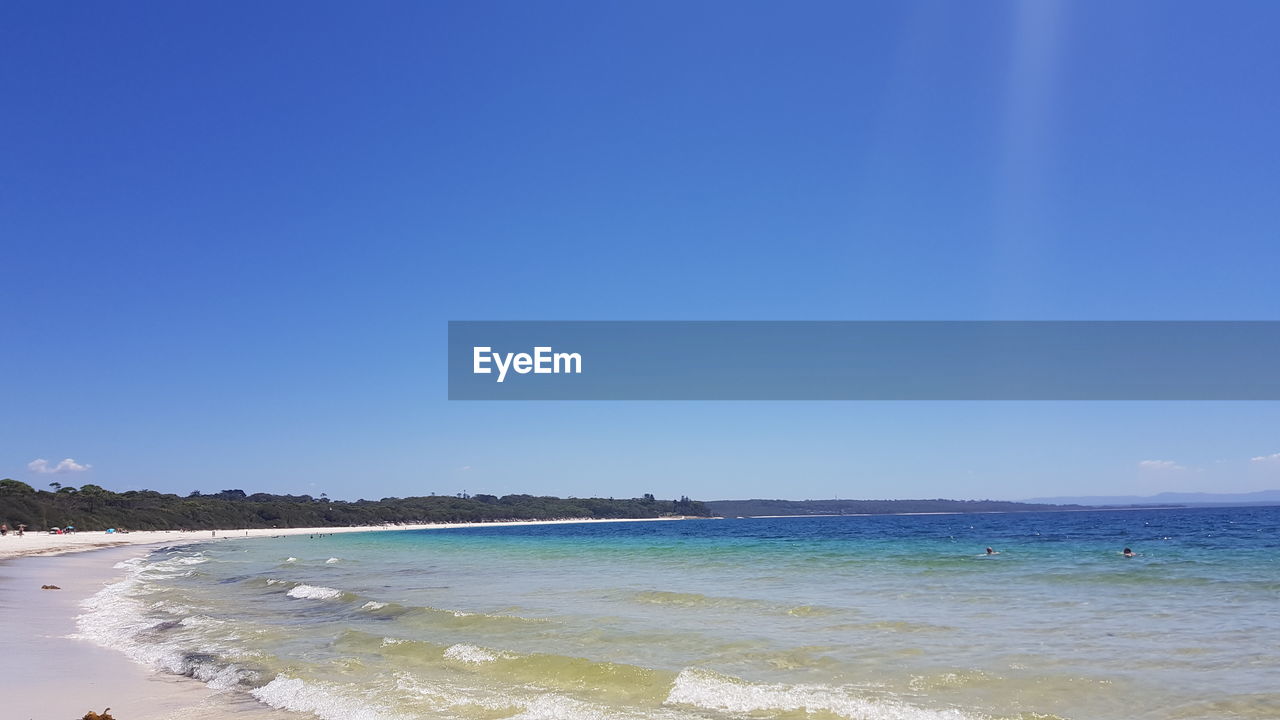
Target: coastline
column 51, row 674
column 44, row 544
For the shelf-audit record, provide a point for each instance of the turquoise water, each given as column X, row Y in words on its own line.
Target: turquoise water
column 886, row 617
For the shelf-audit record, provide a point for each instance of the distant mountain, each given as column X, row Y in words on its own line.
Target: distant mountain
column 748, row 508
column 1262, row 497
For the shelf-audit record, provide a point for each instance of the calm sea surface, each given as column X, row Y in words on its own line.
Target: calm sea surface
column 886, row 617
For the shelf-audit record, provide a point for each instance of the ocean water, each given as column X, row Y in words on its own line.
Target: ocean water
column 875, row 618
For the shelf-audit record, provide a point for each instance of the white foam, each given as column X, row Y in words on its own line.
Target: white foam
column 471, row 654
column 170, row 607
column 453, row 700
column 227, row 678
column 313, row 592
column 331, row 561
column 116, row 616
column 558, row 707
column 372, row 605
column 195, row 559
column 294, row 694
column 712, row 691
column 291, row 559
column 171, row 568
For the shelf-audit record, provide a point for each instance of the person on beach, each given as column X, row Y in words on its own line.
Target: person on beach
column 1128, row 553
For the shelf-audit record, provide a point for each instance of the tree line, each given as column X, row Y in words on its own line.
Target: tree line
column 91, row 507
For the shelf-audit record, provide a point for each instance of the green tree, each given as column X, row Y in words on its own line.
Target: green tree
column 9, row 486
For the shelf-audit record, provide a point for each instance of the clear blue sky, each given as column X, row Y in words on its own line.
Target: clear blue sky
column 232, row 233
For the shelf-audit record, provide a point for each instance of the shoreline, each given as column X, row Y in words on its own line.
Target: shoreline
column 34, row 544
column 62, row 675
column 50, row 673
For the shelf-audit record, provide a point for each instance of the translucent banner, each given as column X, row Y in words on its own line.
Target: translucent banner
column 749, row 360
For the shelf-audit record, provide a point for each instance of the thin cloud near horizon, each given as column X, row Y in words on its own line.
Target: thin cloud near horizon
column 67, row 465
column 1160, row 465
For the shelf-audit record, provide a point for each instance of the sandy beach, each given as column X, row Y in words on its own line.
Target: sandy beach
column 47, row 673
column 33, row 543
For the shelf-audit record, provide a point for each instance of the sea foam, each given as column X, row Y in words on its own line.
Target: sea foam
column 470, row 654
column 713, row 691
column 313, row 592
column 289, row 693
column 116, row 617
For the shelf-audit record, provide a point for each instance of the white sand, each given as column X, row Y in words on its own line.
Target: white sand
column 47, row 674
column 45, row 544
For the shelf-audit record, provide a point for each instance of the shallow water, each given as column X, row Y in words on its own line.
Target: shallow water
column 886, row 617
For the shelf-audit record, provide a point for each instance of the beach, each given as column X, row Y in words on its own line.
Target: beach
column 42, row 543
column 848, row 618
column 47, row 672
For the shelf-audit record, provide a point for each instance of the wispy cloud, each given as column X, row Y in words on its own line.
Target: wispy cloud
column 42, row 466
column 1272, row 458
column 1159, row 465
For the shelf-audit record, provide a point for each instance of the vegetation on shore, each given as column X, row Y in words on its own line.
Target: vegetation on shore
column 90, row 507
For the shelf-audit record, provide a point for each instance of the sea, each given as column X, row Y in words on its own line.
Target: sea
column 902, row 617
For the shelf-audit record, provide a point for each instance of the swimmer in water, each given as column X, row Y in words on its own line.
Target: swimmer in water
column 992, row 552
column 1128, row 553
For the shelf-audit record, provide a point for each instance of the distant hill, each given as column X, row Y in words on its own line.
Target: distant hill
column 747, row 508
column 1262, row 497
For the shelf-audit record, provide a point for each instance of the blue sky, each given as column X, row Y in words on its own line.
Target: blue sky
column 232, row 233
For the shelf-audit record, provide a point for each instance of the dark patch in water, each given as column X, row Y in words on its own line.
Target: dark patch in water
column 193, row 659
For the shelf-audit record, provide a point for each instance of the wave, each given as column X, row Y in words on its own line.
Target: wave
column 116, row 617
column 472, row 654
column 582, row 677
column 290, row 693
column 494, row 682
column 416, row 697
column 708, row 690
column 313, row 592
